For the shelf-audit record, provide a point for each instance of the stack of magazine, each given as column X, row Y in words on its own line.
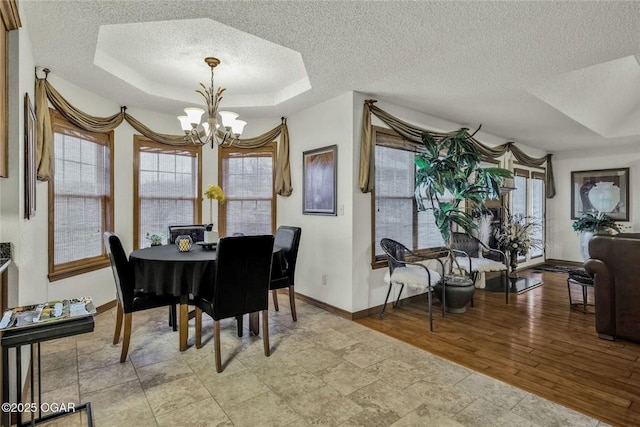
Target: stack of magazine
column 52, row 311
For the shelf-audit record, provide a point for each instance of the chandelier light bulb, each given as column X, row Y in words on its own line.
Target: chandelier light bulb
column 194, row 114
column 185, row 123
column 238, row 126
column 227, row 117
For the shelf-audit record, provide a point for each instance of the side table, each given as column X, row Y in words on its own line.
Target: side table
column 35, row 335
column 582, row 278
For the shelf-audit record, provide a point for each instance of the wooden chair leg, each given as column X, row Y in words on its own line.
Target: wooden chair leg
column 292, row 303
column 275, row 299
column 216, row 346
column 126, row 338
column 265, row 332
column 119, row 313
column 198, row 327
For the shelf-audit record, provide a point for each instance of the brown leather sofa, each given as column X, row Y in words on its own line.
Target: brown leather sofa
column 615, row 266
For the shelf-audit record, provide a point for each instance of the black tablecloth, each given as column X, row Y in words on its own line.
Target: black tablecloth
column 167, row 271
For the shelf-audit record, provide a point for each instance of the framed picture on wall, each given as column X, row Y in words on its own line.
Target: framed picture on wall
column 320, row 181
column 603, row 190
column 29, row 159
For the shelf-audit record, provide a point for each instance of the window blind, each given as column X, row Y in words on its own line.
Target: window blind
column 167, row 188
column 247, row 180
column 395, row 211
column 81, row 192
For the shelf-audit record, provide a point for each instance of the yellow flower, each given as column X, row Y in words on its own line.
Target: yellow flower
column 214, row 192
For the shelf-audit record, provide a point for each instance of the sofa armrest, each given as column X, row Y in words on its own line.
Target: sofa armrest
column 605, row 296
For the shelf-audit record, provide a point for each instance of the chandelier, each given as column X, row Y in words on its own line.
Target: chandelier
column 210, row 131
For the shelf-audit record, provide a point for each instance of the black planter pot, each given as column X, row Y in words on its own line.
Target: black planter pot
column 459, row 293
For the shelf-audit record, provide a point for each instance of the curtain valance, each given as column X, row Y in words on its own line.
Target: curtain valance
column 414, row 134
column 45, row 91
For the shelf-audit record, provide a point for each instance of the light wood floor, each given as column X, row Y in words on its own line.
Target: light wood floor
column 535, row 343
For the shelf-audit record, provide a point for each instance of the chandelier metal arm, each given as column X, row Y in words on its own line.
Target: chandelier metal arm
column 225, row 139
column 225, row 134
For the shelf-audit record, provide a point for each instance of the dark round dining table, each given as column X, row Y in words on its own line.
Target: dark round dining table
column 167, row 271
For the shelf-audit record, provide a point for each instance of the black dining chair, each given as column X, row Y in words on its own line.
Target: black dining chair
column 241, row 286
column 130, row 299
column 195, row 231
column 284, row 272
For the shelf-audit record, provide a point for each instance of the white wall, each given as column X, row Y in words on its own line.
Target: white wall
column 13, row 227
column 325, row 245
column 563, row 243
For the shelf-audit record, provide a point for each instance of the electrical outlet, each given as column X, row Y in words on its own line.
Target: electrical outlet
column 341, row 210
column 324, row 279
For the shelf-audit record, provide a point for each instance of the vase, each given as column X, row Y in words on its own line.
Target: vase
column 604, row 196
column 585, row 236
column 513, row 262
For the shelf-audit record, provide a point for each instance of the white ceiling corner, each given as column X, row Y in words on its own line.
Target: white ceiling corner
column 603, row 97
column 166, row 59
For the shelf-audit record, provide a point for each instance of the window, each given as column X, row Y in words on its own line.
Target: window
column 537, row 210
column 528, row 200
column 80, row 196
column 395, row 213
column 247, row 177
column 166, row 188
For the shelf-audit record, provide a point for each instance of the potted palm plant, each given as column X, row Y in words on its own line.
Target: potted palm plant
column 451, row 183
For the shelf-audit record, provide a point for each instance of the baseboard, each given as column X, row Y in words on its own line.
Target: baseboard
column 564, row 262
column 347, row 314
column 325, row 306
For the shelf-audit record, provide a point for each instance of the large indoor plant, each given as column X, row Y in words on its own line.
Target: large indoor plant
column 589, row 224
column 451, row 183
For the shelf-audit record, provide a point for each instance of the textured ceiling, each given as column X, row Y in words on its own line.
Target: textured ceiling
column 553, row 75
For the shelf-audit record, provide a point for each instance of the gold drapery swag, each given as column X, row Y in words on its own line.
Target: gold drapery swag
column 414, row 134
column 45, row 91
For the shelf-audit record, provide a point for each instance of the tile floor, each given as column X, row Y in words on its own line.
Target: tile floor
column 324, row 370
